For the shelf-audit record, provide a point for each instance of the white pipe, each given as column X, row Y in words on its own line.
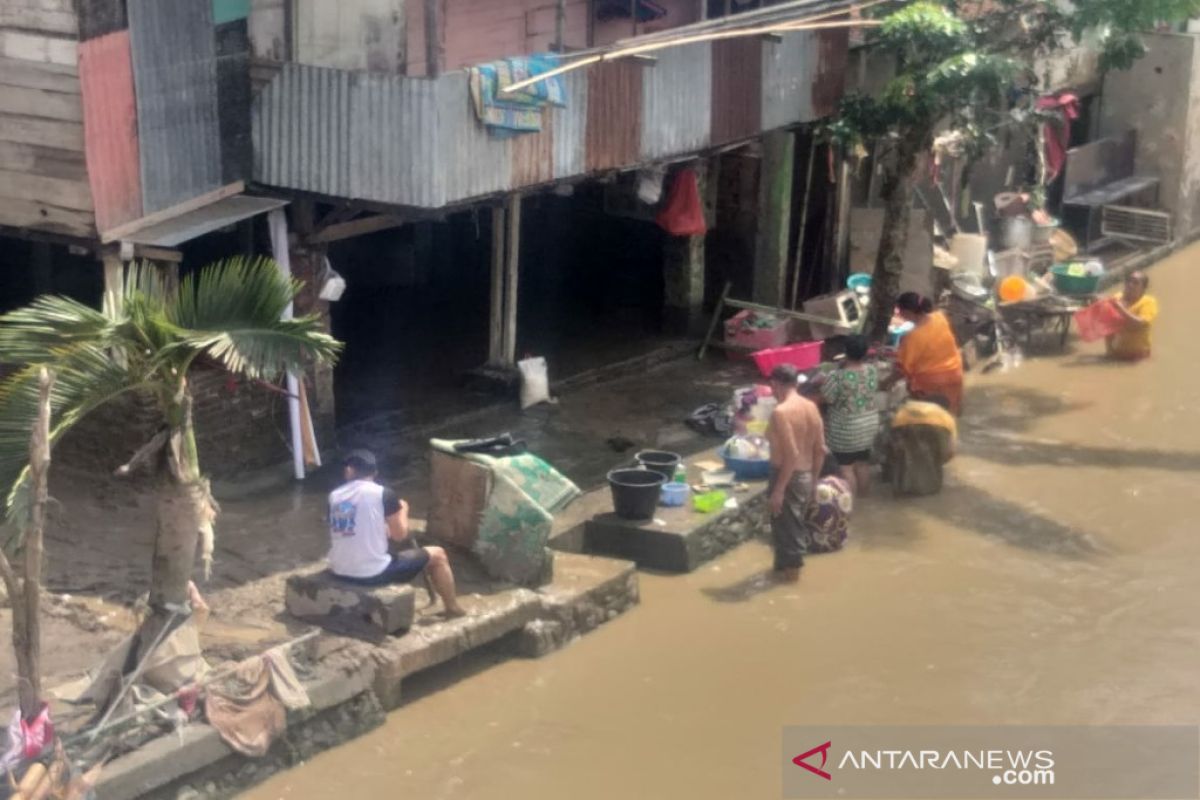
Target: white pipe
column 279, row 245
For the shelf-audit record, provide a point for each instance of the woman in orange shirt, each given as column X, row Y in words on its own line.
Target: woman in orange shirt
column 928, row 357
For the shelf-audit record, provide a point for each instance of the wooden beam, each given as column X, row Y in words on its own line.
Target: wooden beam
column 164, row 254
column 128, row 229
column 511, row 267
column 356, row 227
column 496, row 317
column 433, row 38
column 560, row 25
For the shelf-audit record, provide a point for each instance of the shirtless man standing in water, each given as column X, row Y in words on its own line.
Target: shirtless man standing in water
column 797, row 438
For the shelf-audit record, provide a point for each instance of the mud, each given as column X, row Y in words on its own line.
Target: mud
column 1051, row 582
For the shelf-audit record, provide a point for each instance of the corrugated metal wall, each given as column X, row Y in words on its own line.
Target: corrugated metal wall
column 110, row 128
column 737, row 89
column 416, row 142
column 174, row 68
column 614, row 115
column 675, row 118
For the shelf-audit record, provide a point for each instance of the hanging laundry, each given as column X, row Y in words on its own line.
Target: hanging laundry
column 1058, row 137
column 683, row 214
column 510, row 113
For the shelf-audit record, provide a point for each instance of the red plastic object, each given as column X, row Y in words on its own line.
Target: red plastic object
column 1098, row 320
column 804, row 355
column 683, row 214
column 752, row 338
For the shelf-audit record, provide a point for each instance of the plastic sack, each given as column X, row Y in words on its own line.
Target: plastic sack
column 333, row 285
column 535, row 382
column 1099, row 320
column 683, row 214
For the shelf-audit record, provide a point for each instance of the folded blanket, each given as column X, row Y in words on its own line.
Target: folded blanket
column 508, row 113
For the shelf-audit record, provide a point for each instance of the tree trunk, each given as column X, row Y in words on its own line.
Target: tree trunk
column 25, row 591
column 896, row 193
column 185, row 509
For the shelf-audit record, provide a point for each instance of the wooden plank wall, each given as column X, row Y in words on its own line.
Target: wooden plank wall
column 43, row 176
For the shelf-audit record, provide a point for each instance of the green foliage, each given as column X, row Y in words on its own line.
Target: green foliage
column 228, row 315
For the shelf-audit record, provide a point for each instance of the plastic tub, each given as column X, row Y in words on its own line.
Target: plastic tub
column 858, row 281
column 635, row 492
column 660, row 461
column 1066, row 283
column 747, row 469
column 803, row 355
column 674, row 494
column 709, row 502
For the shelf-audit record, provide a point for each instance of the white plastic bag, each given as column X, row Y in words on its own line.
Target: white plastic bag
column 333, row 284
column 535, row 382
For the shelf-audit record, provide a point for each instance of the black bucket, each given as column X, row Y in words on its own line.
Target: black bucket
column 660, row 461
column 635, row 492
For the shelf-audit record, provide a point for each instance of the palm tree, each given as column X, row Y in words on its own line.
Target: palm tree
column 229, row 316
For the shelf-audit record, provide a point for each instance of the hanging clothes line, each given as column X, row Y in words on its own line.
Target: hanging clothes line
column 619, row 51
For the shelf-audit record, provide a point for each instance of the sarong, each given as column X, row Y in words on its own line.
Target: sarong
column 789, row 529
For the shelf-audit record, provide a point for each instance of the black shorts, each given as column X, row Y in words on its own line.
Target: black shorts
column 404, row 567
column 857, row 457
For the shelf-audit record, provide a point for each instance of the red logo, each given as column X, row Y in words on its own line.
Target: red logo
column 819, row 771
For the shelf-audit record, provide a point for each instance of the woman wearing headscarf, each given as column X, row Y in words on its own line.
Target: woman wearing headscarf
column 928, row 357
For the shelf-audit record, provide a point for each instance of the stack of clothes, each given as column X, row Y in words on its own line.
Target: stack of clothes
column 508, row 114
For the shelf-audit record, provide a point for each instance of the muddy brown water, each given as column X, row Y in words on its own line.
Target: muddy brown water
column 1053, row 581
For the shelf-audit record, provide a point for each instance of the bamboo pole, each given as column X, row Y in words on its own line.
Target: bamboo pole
column 39, row 467
column 662, row 45
column 799, row 260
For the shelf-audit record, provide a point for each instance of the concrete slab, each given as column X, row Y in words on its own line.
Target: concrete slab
column 679, row 539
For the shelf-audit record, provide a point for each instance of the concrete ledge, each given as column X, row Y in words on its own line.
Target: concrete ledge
column 679, row 539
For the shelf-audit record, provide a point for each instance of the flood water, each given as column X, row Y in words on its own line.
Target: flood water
column 1053, row 581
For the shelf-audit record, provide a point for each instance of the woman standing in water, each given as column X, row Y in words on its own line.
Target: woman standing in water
column 853, row 420
column 928, row 357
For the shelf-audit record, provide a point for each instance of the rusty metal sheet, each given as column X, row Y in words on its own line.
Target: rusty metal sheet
column 676, row 102
column 175, row 75
column 736, row 89
column 110, row 128
column 614, row 114
column 829, row 84
column 570, row 125
column 533, row 154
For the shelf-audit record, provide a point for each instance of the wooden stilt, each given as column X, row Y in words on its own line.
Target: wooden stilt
column 511, row 268
column 496, row 320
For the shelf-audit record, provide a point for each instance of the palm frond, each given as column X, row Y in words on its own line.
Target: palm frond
column 268, row 349
column 35, row 333
column 86, row 377
column 237, row 293
column 231, row 313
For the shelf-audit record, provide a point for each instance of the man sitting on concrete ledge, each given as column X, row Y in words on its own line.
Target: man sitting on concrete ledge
column 363, row 517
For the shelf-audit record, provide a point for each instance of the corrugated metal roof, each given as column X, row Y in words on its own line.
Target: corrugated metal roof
column 110, row 129
column 737, row 89
column 675, row 116
column 175, row 74
column 199, row 221
column 614, row 114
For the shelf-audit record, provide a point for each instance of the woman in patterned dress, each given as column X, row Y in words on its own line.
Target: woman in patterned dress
column 853, row 420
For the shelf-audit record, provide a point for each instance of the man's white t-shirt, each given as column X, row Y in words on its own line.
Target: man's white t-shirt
column 358, row 530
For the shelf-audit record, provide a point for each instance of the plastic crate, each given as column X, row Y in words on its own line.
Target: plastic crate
column 802, row 356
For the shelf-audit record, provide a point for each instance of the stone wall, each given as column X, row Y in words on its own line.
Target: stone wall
column 239, row 426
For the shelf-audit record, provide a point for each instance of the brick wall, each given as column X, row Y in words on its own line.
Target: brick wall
column 239, row 426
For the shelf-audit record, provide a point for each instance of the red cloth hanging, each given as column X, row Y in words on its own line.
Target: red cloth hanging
column 683, row 213
column 1058, row 137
